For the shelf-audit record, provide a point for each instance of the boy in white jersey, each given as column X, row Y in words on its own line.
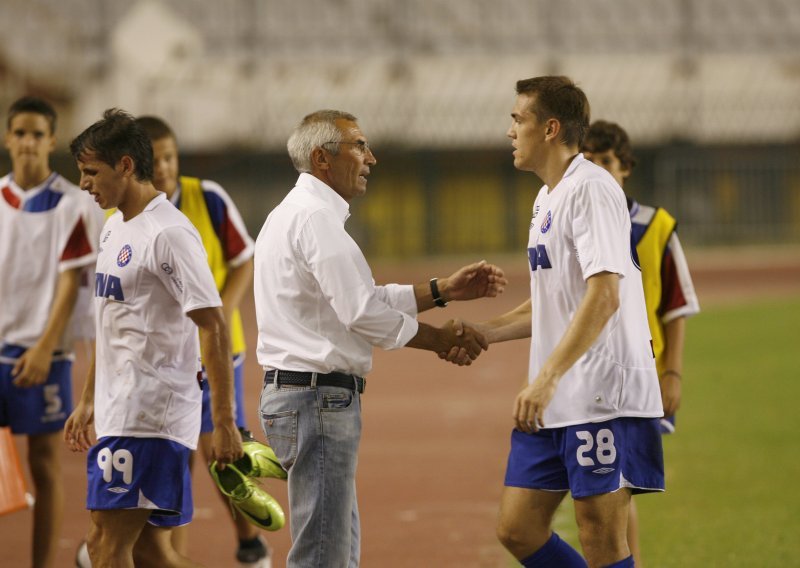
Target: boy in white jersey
column 153, row 291
column 230, row 256
column 588, row 420
column 45, row 244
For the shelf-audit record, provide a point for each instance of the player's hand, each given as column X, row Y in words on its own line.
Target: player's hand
column 33, row 367
column 477, row 280
column 76, row 430
column 457, row 353
column 670, row 393
column 531, row 402
column 226, row 444
column 465, row 341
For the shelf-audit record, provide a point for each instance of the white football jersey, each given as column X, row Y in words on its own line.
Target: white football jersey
column 43, row 232
column 151, row 271
column 581, row 228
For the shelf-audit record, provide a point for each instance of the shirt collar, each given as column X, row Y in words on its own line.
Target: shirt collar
column 28, row 193
column 176, row 196
column 573, row 165
column 321, row 191
column 161, row 196
column 633, row 206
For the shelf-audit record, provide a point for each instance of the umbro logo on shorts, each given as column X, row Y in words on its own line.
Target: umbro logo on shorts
column 603, row 470
column 117, row 490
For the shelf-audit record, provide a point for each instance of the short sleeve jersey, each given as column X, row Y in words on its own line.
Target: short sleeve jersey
column 581, row 228
column 43, row 232
column 151, row 271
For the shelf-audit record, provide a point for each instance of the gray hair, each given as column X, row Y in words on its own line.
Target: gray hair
column 315, row 130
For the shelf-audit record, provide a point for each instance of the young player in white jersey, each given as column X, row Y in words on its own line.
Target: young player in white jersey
column 588, row 421
column 46, row 242
column 230, row 256
column 668, row 289
column 153, row 291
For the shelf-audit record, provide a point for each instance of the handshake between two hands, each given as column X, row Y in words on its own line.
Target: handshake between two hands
column 465, row 341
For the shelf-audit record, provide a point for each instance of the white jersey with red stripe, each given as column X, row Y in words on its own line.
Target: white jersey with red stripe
column 581, row 228
column 43, row 231
column 151, row 271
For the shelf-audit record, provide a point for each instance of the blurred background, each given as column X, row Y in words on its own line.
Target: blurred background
column 709, row 91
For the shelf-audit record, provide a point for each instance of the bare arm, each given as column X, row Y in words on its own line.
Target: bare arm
column 236, row 285
column 670, row 379
column 515, row 324
column 76, row 430
column 598, row 305
column 33, row 366
column 215, row 347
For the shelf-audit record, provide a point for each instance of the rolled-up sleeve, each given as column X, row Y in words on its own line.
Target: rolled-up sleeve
column 382, row 316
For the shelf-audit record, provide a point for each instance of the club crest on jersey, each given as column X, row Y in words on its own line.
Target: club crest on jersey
column 124, row 256
column 548, row 222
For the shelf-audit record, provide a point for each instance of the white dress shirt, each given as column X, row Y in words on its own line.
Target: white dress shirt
column 317, row 305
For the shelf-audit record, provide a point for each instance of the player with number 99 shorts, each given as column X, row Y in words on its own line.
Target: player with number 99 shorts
column 153, row 291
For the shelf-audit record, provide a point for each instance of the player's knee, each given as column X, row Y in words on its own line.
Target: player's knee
column 515, row 539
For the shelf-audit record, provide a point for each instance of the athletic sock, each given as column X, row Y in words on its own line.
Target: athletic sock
column 624, row 563
column 555, row 554
column 251, row 550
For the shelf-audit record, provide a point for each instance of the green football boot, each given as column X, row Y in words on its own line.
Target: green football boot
column 248, row 498
column 259, row 460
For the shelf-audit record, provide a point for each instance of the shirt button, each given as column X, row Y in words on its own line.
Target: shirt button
column 598, row 398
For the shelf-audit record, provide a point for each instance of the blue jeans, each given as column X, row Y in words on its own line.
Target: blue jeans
column 315, row 432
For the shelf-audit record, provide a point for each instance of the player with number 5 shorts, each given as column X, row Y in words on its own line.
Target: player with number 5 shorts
column 47, row 244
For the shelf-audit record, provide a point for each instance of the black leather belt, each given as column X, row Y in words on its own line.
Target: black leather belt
column 300, row 379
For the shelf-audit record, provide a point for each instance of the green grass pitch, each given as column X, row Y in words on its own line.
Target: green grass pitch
column 733, row 467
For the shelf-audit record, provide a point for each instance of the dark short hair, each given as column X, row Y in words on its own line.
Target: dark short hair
column 604, row 136
column 34, row 105
column 116, row 135
column 155, row 127
column 558, row 97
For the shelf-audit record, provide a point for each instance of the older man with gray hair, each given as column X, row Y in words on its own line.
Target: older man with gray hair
column 319, row 315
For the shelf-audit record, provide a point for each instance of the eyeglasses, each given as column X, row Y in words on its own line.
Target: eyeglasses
column 361, row 145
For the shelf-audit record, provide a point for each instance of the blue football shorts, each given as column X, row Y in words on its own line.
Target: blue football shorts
column 206, row 425
column 589, row 459
column 141, row 473
column 40, row 409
